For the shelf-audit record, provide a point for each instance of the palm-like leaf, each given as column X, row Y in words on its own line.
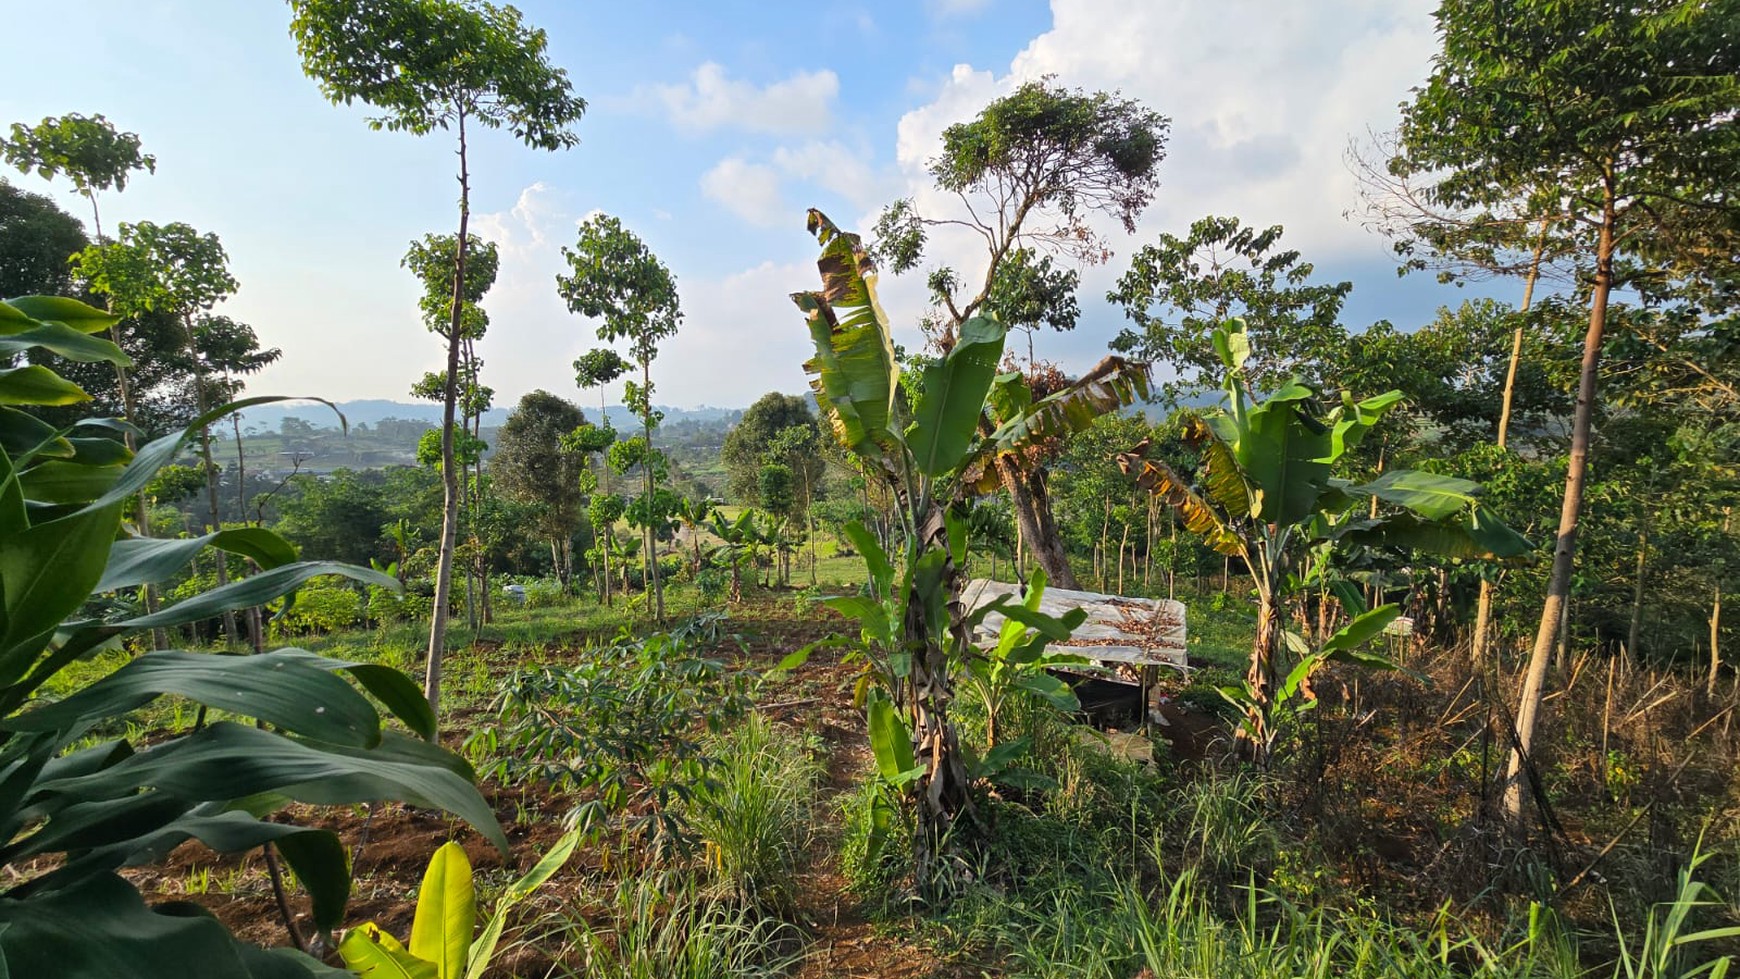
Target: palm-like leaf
column 854, row 372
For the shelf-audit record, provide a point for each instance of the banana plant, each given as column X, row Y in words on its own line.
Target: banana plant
column 442, row 945
column 1019, row 660
column 1268, row 495
column 693, row 513
column 743, row 538
column 77, row 806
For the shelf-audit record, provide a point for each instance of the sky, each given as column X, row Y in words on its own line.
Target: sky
column 710, row 128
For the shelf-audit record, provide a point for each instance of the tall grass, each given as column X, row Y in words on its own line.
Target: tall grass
column 670, row 928
column 755, row 813
column 1176, row 932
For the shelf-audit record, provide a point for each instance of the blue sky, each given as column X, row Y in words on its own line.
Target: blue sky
column 711, row 127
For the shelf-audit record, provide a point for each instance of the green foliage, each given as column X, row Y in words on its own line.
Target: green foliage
column 754, row 815
column 751, row 440
column 620, row 726
column 1081, row 152
column 531, row 464
column 1180, row 290
column 432, row 260
column 67, row 912
column 90, row 152
column 679, row 931
column 427, row 64
column 37, row 239
column 1268, row 496
column 321, row 609
column 158, row 268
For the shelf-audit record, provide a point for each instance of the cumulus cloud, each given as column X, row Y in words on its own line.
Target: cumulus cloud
column 710, row 99
column 748, row 190
column 1263, row 99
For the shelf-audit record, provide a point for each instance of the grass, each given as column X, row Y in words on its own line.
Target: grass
column 667, row 927
column 756, row 816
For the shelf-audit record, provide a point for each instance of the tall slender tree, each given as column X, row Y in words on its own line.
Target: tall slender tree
column 175, row 270
column 1629, row 110
column 615, row 279
column 440, row 64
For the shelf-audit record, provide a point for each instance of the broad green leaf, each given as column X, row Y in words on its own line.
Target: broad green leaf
column 101, row 929
column 855, row 375
column 398, row 693
column 58, row 481
column 279, row 689
column 143, row 560
column 1233, row 345
column 371, row 953
column 1362, row 629
column 1430, row 495
column 1002, row 756
column 890, row 740
column 953, row 400
column 62, row 341
column 37, row 385
column 48, row 571
column 79, row 316
column 875, row 558
column 1054, row 691
column 446, row 912
column 232, row 761
column 256, row 590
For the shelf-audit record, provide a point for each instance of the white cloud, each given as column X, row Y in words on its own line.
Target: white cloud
column 748, row 190
column 711, row 100
column 1263, row 99
column 741, row 338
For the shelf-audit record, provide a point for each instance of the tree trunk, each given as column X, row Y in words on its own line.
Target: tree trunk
column 449, row 475
column 1716, row 621
column 1715, row 643
column 1034, row 520
column 1565, row 547
column 1483, row 606
column 652, row 557
column 211, row 473
column 1634, row 634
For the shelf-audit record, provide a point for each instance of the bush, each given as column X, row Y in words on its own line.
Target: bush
column 320, row 609
column 544, row 593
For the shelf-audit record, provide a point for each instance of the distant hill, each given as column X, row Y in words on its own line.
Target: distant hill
column 371, row 411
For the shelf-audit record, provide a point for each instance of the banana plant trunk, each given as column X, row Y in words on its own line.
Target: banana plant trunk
column 943, row 794
column 1261, row 679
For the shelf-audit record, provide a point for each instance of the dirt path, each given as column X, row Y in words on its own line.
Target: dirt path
column 845, row 943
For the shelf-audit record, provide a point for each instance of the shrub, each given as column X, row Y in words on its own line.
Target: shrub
column 320, row 609
column 626, row 727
